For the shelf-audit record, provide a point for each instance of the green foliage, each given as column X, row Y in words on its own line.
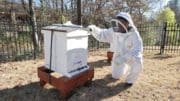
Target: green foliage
column 148, row 34
column 175, row 6
column 148, row 38
column 62, row 19
column 167, row 15
column 173, row 32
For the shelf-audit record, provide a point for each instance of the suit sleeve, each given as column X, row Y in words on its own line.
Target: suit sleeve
column 103, row 35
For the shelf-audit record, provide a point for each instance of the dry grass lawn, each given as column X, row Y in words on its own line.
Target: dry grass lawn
column 159, row 81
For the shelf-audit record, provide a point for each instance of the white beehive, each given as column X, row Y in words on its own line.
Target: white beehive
column 69, row 49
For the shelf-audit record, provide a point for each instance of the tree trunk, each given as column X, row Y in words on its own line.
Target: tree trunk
column 57, row 10
column 79, row 12
column 34, row 27
column 72, row 6
column 14, row 23
column 42, row 11
column 62, row 11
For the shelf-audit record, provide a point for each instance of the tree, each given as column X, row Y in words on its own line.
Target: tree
column 101, row 11
column 62, row 12
column 42, row 10
column 167, row 15
column 79, row 12
column 31, row 12
column 175, row 6
column 53, row 10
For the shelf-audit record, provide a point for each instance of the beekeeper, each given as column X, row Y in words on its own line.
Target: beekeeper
column 127, row 46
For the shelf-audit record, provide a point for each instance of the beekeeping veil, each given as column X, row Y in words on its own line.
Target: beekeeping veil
column 126, row 16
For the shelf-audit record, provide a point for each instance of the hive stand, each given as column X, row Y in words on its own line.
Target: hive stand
column 64, row 84
column 109, row 56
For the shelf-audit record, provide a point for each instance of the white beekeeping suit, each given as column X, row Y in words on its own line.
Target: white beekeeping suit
column 127, row 49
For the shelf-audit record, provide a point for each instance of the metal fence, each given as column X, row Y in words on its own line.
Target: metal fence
column 16, row 40
column 161, row 38
column 157, row 38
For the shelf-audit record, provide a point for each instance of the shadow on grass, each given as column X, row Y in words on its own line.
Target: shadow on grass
column 158, row 56
column 97, row 90
column 100, row 89
column 99, row 63
column 29, row 92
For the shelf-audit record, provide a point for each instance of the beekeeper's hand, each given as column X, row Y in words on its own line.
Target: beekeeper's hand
column 92, row 28
column 118, row 60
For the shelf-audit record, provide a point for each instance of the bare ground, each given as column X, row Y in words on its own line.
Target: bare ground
column 159, row 81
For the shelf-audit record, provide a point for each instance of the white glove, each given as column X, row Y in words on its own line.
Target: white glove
column 92, row 28
column 118, row 60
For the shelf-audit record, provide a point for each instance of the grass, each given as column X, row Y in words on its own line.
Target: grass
column 159, row 81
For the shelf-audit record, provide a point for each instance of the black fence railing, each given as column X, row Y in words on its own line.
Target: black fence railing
column 94, row 45
column 161, row 38
column 16, row 40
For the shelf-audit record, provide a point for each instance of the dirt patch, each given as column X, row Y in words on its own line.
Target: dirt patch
column 160, row 80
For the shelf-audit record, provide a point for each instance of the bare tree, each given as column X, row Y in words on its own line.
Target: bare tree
column 62, row 11
column 100, row 10
column 79, row 12
column 42, row 10
column 31, row 12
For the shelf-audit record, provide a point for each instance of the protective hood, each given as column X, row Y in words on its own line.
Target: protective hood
column 128, row 18
column 115, row 25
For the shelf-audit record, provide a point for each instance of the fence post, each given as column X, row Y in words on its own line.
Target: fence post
column 163, row 38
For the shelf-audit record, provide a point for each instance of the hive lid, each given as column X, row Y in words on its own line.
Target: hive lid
column 60, row 28
column 66, row 27
column 70, row 29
